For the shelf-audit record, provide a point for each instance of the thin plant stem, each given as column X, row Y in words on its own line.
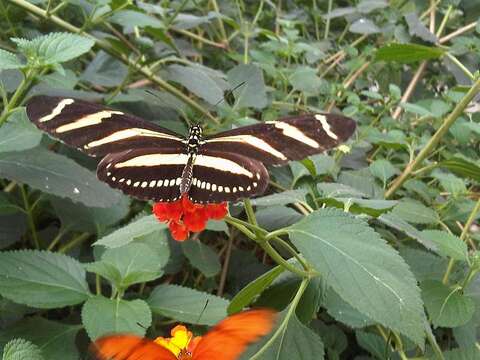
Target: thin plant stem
column 74, row 242
column 17, row 95
column 463, row 237
column 434, row 140
column 220, row 23
column 460, row 66
column 31, row 220
column 293, row 306
column 327, row 24
column 444, row 21
column 458, row 32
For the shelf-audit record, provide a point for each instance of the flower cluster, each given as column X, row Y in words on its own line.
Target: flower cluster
column 184, row 217
column 181, row 344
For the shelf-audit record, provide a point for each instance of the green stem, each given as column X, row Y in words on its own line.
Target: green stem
column 327, row 24
column 17, row 95
column 461, row 66
column 434, row 140
column 106, row 46
column 286, row 319
column 463, row 237
column 31, row 221
column 282, row 262
column 444, row 21
column 74, row 242
column 292, row 251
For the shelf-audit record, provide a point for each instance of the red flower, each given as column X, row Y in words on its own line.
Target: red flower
column 184, row 217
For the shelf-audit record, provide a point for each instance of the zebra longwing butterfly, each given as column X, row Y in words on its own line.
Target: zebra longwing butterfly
column 149, row 162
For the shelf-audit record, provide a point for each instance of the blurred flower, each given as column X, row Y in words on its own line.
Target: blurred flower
column 184, row 217
column 181, row 344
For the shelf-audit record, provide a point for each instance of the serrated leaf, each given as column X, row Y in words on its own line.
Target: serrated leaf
column 335, row 190
column 187, row 305
column 9, row 61
column 446, row 307
column 18, row 133
column 462, row 166
column 282, row 198
column 367, row 6
column 54, row 48
column 447, row 244
column 383, row 169
column 136, row 229
column 102, row 316
column 253, row 92
column 344, row 312
column 20, row 349
column 362, row 181
column 58, row 175
column 293, row 341
column 127, row 265
column 305, row 79
column 105, row 70
column 198, row 82
column 354, row 258
column 130, row 18
column 202, row 257
column 417, row 28
column 408, row 53
column 42, row 279
column 56, row 340
column 245, row 296
column 415, row 213
column 364, row 26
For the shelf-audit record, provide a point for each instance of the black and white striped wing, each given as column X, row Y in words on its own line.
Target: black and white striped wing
column 291, row 138
column 226, row 176
column 95, row 129
column 145, row 173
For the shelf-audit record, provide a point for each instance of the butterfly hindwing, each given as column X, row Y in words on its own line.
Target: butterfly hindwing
column 290, row 138
column 95, row 129
column 225, row 176
column 145, row 173
column 230, row 337
column 129, row 347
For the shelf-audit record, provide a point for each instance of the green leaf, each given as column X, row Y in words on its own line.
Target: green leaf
column 105, row 70
column 140, row 227
column 9, row 61
column 293, row 340
column 305, row 79
column 364, row 26
column 276, row 217
column 202, row 257
column 130, row 18
column 127, row 265
column 462, row 166
column 20, row 349
column 408, row 53
column 12, row 227
column 470, row 353
column 198, row 82
column 415, row 213
column 253, row 92
column 447, row 244
column 18, row 133
column 102, row 316
column 450, row 183
column 55, row 340
column 58, row 175
column 374, row 344
column 246, row 296
column 362, row 181
column 416, row 109
column 53, row 48
column 344, row 312
column 355, row 258
column 282, row 198
column 383, row 169
column 446, row 307
column 42, row 279
column 335, row 190
column 187, row 305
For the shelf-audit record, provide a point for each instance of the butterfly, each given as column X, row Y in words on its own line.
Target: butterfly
column 226, row 341
column 149, row 162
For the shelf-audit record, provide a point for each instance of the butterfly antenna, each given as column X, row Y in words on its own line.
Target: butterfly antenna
column 142, row 326
column 203, row 310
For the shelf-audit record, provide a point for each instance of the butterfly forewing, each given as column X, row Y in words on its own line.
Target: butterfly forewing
column 225, row 176
column 95, row 129
column 145, row 173
column 291, row 138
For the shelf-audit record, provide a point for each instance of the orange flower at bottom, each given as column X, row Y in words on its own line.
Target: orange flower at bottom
column 184, row 217
column 181, row 344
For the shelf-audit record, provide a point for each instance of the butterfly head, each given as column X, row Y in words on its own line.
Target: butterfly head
column 194, row 139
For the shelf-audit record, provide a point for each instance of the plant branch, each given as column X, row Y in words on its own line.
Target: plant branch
column 434, row 140
column 106, row 46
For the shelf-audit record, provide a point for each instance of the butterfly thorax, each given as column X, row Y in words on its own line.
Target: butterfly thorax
column 184, row 355
column 194, row 139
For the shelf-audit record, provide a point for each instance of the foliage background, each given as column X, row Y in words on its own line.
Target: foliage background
column 381, row 242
